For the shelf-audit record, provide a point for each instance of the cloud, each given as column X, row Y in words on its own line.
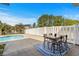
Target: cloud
column 12, row 20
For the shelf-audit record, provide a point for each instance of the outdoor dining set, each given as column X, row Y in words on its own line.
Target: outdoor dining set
column 55, row 44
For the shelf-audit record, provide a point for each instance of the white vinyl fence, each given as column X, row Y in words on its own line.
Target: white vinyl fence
column 71, row 31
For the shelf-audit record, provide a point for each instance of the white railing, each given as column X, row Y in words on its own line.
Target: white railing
column 71, row 31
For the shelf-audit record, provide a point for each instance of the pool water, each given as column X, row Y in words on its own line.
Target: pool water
column 9, row 38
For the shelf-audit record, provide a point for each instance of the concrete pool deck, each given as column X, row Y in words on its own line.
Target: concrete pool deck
column 26, row 47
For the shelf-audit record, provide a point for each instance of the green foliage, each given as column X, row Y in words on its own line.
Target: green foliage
column 50, row 20
column 68, row 22
column 19, row 28
column 42, row 21
column 58, row 20
column 8, row 29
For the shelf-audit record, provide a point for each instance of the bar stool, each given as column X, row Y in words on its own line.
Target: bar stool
column 49, row 41
column 65, row 42
column 46, row 41
column 54, row 44
column 60, row 46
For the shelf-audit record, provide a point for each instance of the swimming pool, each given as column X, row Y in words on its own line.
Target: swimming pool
column 9, row 38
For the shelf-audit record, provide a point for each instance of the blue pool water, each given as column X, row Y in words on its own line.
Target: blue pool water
column 9, row 38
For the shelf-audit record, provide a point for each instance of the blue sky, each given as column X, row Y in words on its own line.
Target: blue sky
column 28, row 13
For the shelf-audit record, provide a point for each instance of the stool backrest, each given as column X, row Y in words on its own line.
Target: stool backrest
column 55, row 35
column 45, row 36
column 66, row 38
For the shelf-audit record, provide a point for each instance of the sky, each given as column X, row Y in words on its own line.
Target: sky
column 28, row 13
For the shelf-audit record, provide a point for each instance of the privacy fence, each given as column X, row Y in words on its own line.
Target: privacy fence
column 71, row 31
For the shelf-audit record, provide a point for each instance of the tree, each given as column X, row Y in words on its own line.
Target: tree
column 58, row 20
column 34, row 25
column 45, row 20
column 6, row 29
column 42, row 21
column 49, row 20
column 69, row 22
column 19, row 28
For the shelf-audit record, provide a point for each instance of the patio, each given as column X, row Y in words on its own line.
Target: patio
column 27, row 47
